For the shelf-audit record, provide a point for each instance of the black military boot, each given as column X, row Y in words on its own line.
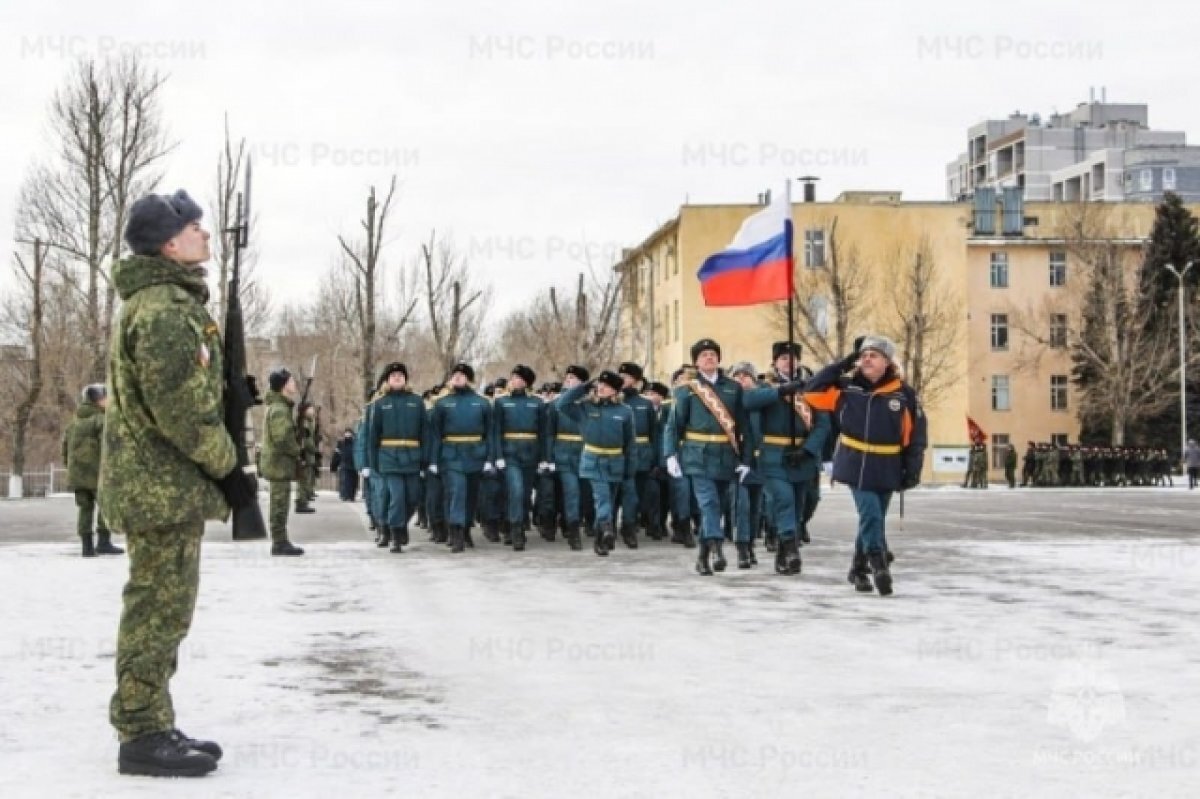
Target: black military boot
column 791, row 554
column 682, row 534
column 719, row 562
column 162, row 754
column 750, row 551
column 879, row 570
column 305, row 508
column 771, row 541
column 547, row 529
column 743, row 555
column 385, row 536
column 505, row 533
column 456, row 538
column 518, row 538
column 601, row 536
column 804, row 538
column 104, row 546
column 702, row 567
column 654, row 532
column 629, row 535
column 573, row 536
column 398, row 540
column 441, row 533
column 286, row 549
column 210, row 748
column 89, row 547
column 608, row 535
column 781, row 564
column 859, row 577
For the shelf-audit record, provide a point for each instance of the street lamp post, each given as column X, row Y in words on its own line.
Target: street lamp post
column 1179, row 276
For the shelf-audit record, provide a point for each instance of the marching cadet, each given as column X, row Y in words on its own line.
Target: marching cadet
column 490, row 506
column 167, row 464
column 607, row 460
column 660, row 483
column 280, row 456
column 1010, row 465
column 308, row 458
column 681, row 496
column 81, row 455
column 564, row 448
column 517, row 421
column 785, row 360
column 636, row 501
column 435, row 495
column 747, row 495
column 794, row 436
column 881, row 448
column 549, row 498
column 395, row 445
column 370, row 486
column 706, row 443
column 460, row 441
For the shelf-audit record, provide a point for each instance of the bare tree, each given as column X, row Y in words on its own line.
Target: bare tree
column 923, row 321
column 455, row 306
column 32, row 273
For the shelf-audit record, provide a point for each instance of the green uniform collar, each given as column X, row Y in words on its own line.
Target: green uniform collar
column 137, row 272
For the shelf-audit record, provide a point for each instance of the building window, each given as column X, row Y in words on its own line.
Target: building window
column 1000, row 445
column 666, row 325
column 1058, row 392
column 818, row 314
column 1000, row 399
column 1059, row 439
column 676, row 318
column 1058, row 330
column 999, row 331
column 1169, row 178
column 1146, row 180
column 814, row 248
column 1058, row 269
column 999, row 270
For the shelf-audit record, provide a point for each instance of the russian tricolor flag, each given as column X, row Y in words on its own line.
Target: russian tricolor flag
column 757, row 265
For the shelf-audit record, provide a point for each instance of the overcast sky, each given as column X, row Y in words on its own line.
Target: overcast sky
column 536, row 132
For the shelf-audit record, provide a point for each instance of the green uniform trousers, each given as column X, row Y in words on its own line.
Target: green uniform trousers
column 159, row 600
column 281, row 496
column 85, row 501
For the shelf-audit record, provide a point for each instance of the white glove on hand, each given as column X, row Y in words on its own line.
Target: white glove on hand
column 673, row 467
column 365, row 472
column 432, row 468
column 543, row 467
column 741, row 472
column 550, row 467
column 488, row 468
column 500, row 464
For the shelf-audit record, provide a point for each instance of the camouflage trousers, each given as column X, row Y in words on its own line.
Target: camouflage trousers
column 85, row 501
column 159, row 600
column 281, row 497
column 306, row 485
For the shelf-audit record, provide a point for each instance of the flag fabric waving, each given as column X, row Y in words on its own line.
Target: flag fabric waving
column 756, row 267
column 975, row 432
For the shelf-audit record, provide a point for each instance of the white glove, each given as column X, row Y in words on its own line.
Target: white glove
column 432, row 468
column 543, row 467
column 488, row 468
column 673, row 467
column 500, row 464
column 550, row 467
column 365, row 472
column 741, row 472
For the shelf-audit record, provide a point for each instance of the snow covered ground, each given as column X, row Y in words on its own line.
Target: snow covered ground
column 1041, row 643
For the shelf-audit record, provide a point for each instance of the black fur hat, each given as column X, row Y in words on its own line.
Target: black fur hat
column 525, row 373
column 464, row 369
column 611, row 379
column 780, row 348
column 705, row 344
column 580, row 372
column 631, row 369
column 157, row 218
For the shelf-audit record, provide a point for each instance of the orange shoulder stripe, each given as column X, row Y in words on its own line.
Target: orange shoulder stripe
column 825, row 400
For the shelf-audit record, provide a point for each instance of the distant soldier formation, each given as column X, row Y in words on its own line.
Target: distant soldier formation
column 1055, row 465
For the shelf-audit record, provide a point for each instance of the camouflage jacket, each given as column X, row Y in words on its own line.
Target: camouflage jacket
column 81, row 447
column 165, row 443
column 281, row 450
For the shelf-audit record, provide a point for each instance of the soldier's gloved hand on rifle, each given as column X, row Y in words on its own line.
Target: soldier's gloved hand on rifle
column 791, row 389
column 238, row 488
column 673, row 467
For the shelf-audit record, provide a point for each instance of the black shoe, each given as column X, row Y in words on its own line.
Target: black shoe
column 781, row 564
column 608, row 536
column 859, row 577
column 441, row 533
column 210, row 748
column 599, row 538
column 771, row 541
column 879, row 570
column 683, row 534
column 305, row 509
column 702, row 567
column 573, row 537
column 719, row 563
column 654, row 532
column 547, row 530
column 286, row 549
column 753, row 557
column 89, row 548
column 804, row 539
column 104, row 546
column 518, row 539
column 398, row 541
column 791, row 554
column 743, row 555
column 385, row 536
column 456, row 538
column 629, row 536
column 371, row 524
column 162, row 754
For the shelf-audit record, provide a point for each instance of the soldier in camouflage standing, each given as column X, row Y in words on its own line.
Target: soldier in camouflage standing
column 167, row 464
column 280, row 454
column 81, row 455
column 1010, row 465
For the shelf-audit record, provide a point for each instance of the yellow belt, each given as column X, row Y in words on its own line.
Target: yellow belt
column 520, row 436
column 642, row 440
column 707, row 438
column 399, row 442
column 462, row 439
column 603, row 450
column 568, row 437
column 871, row 449
column 782, row 441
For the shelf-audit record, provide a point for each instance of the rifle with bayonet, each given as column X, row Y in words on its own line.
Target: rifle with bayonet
column 241, row 391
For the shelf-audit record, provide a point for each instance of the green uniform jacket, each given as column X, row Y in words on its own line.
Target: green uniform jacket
column 461, row 432
column 81, row 447
column 775, row 432
column 515, row 418
column 712, row 458
column 608, row 433
column 396, row 436
column 165, row 442
column 281, row 450
column 646, row 443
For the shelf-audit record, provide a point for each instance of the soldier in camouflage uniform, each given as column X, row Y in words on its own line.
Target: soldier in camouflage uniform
column 81, row 455
column 167, row 464
column 280, row 454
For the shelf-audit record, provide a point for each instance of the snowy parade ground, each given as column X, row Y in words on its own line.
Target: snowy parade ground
column 1040, row 643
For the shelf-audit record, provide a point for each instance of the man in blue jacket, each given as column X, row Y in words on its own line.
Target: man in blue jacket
column 459, row 450
column 635, row 492
column 394, row 447
column 881, row 448
column 517, row 420
column 564, row 450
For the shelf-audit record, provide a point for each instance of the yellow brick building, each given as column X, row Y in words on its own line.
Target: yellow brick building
column 993, row 288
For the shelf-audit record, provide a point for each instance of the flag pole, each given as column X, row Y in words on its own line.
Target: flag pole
column 791, row 318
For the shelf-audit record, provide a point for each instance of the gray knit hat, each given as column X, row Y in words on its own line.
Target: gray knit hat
column 157, row 218
column 881, row 344
column 743, row 368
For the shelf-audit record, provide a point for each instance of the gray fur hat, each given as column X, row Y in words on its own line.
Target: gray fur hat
column 743, row 367
column 881, row 344
column 157, row 218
